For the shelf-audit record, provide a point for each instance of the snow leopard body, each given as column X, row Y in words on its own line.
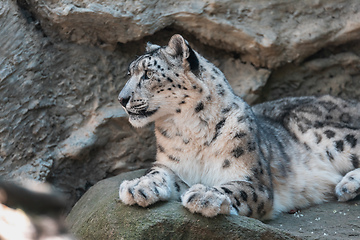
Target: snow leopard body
column 218, row 155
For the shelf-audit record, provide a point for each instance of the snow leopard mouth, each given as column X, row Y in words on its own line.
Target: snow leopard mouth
column 142, row 113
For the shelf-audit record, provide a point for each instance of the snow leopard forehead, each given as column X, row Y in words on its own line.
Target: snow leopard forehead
column 176, row 53
column 142, row 62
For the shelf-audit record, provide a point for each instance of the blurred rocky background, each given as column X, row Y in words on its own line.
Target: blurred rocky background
column 33, row 211
column 63, row 63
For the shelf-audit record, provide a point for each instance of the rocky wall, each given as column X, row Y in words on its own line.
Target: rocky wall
column 63, row 63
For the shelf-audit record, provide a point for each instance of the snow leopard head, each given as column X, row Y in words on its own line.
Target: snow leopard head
column 162, row 81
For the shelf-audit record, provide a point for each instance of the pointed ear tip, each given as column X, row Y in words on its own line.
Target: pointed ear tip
column 151, row 47
column 177, row 36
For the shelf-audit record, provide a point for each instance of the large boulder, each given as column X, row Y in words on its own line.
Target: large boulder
column 99, row 215
column 266, row 33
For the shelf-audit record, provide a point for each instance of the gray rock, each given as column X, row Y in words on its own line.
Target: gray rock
column 332, row 71
column 266, row 33
column 329, row 221
column 99, row 215
column 60, row 120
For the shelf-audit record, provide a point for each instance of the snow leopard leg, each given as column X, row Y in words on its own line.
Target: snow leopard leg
column 237, row 197
column 159, row 184
column 349, row 187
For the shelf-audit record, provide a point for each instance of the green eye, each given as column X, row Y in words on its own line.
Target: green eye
column 148, row 74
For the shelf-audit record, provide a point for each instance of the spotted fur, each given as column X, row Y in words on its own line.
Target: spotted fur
column 218, row 155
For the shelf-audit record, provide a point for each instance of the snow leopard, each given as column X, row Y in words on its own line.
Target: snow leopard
column 218, row 155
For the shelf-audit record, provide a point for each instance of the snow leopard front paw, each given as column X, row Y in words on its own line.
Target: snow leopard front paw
column 144, row 191
column 349, row 187
column 207, row 201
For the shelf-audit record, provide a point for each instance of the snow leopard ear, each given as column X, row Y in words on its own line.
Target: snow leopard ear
column 179, row 47
column 151, row 47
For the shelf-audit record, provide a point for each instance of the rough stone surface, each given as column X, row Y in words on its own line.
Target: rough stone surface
column 329, row 221
column 334, row 71
column 99, row 215
column 63, row 63
column 266, row 33
column 60, row 120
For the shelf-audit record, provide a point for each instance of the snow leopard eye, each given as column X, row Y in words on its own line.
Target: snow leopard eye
column 148, row 74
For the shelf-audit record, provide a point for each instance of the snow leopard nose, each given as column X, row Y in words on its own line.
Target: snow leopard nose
column 126, row 93
column 123, row 101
